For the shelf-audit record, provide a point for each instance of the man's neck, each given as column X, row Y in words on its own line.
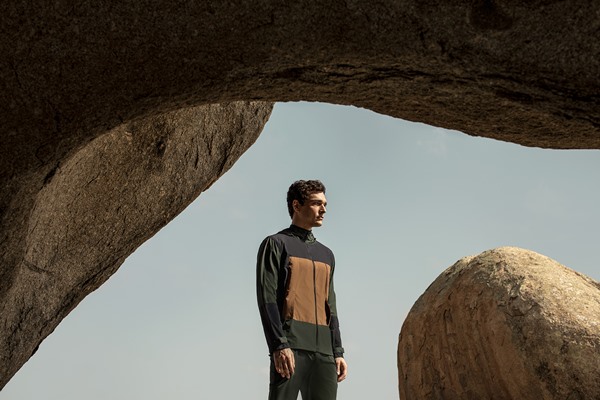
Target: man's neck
column 305, row 234
column 301, row 224
column 306, row 228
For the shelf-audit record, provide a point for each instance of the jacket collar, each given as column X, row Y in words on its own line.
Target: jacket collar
column 303, row 234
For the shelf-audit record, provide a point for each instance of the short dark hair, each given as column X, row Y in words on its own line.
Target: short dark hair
column 301, row 191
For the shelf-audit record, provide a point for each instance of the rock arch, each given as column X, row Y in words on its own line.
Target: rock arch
column 76, row 79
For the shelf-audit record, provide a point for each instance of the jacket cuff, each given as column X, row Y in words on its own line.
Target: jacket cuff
column 338, row 352
column 282, row 343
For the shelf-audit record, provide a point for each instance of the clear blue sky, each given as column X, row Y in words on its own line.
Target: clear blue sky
column 179, row 319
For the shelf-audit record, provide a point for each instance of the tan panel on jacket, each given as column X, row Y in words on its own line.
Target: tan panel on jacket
column 307, row 282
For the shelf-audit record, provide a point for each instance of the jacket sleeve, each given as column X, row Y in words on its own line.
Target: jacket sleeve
column 267, row 278
column 334, row 324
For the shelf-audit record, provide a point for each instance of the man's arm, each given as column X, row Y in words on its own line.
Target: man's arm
column 334, row 324
column 334, row 327
column 267, row 278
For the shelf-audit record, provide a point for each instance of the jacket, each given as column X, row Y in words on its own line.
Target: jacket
column 296, row 299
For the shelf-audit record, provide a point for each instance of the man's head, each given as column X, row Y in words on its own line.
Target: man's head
column 306, row 203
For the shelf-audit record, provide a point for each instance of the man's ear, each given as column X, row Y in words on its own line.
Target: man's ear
column 295, row 205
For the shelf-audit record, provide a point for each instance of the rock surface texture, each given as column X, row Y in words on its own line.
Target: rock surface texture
column 506, row 324
column 74, row 74
column 100, row 204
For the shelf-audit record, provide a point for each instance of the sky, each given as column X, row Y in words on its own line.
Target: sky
column 406, row 200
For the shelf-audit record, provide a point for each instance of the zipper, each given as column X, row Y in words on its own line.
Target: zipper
column 315, row 298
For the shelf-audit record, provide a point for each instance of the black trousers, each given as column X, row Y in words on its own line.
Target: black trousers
column 315, row 377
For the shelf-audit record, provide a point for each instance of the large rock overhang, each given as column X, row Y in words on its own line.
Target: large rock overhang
column 72, row 74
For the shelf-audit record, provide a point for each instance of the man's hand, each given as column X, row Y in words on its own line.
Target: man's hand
column 342, row 368
column 284, row 362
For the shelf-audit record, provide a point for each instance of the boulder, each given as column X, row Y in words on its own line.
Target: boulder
column 506, row 324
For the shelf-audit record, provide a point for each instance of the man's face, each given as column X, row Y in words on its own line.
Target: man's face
column 311, row 213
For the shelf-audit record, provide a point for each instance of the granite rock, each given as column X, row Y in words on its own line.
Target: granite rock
column 506, row 324
column 96, row 207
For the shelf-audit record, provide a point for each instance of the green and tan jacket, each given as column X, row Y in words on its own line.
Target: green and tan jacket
column 296, row 300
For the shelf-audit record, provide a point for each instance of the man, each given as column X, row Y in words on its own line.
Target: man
column 296, row 300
